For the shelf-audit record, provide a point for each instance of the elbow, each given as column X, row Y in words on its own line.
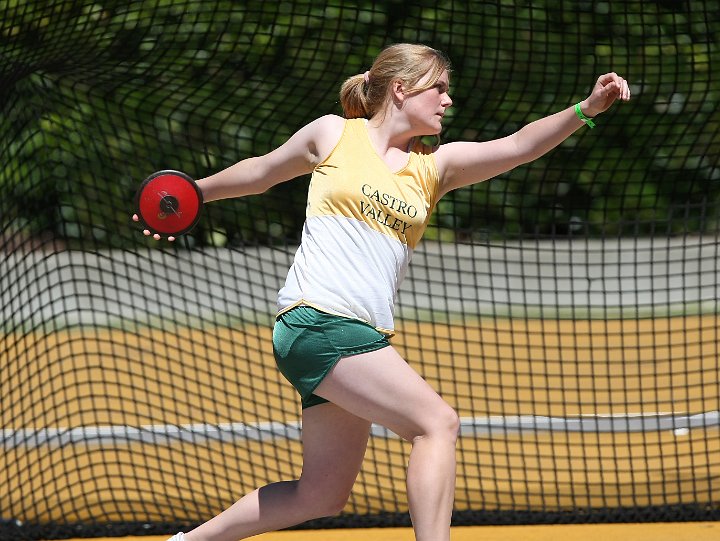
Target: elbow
column 524, row 152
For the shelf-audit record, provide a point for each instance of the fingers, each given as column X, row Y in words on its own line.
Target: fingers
column 613, row 84
column 624, row 90
column 147, row 232
column 157, row 236
column 609, row 88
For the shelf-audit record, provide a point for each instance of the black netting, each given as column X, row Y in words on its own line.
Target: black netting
column 568, row 309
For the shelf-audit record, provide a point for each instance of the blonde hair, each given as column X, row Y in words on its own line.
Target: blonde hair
column 364, row 95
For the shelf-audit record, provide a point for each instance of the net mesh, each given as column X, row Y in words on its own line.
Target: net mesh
column 567, row 309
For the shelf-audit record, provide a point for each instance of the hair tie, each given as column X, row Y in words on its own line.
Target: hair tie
column 366, row 76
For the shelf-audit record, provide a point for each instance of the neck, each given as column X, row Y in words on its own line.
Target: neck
column 387, row 134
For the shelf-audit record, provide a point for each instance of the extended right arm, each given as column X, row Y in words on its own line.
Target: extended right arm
column 297, row 156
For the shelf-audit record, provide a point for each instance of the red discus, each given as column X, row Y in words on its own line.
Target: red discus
column 169, row 202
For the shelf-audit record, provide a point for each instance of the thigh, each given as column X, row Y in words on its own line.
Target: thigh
column 334, row 443
column 382, row 387
column 307, row 343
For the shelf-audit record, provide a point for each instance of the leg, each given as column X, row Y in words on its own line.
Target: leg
column 334, row 443
column 381, row 387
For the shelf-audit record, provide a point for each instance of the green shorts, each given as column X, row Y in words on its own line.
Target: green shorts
column 307, row 343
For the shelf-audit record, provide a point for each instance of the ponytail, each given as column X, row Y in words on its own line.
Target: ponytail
column 353, row 97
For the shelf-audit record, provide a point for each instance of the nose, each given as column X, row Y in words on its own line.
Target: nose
column 447, row 100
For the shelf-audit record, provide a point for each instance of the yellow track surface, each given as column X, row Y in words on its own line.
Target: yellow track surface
column 686, row 531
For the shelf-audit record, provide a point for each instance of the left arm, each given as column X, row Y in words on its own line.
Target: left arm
column 464, row 163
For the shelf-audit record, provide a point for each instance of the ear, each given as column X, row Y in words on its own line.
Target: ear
column 397, row 92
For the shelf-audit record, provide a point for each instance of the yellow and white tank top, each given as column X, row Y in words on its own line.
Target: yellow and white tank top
column 363, row 222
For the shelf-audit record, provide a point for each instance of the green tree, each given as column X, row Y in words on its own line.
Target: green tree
column 96, row 95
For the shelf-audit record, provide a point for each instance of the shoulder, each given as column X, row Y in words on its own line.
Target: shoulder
column 325, row 133
column 327, row 126
column 423, row 160
column 327, row 122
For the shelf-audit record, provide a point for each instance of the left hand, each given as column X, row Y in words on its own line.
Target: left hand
column 608, row 88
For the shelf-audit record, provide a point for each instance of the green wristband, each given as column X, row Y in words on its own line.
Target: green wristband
column 581, row 116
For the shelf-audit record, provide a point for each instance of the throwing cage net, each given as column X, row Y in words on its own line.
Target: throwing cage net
column 567, row 309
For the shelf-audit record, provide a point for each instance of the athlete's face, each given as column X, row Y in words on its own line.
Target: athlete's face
column 427, row 107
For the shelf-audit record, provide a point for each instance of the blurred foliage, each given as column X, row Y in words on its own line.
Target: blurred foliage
column 97, row 95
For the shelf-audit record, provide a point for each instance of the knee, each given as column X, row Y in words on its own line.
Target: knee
column 325, row 501
column 443, row 423
column 334, row 504
column 451, row 424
